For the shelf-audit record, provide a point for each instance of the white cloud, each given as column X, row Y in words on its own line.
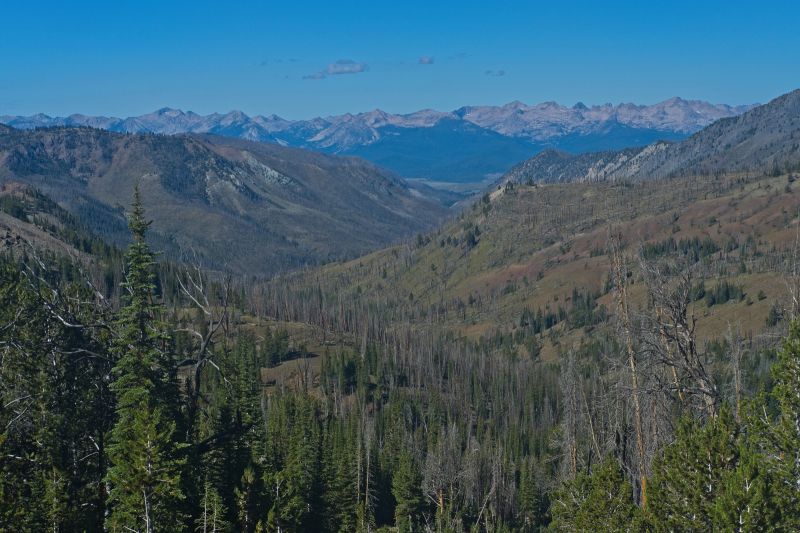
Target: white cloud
column 426, row 60
column 345, row 66
column 342, row 66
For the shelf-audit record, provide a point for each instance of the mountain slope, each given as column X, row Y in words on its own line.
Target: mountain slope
column 497, row 136
column 765, row 138
column 238, row 205
column 530, row 251
column 528, row 264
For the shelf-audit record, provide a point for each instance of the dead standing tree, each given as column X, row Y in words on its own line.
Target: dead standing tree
column 669, row 332
column 620, row 273
column 567, row 439
column 215, row 316
column 792, row 277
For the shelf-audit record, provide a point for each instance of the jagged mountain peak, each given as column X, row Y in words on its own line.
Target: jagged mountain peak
column 541, row 121
column 517, row 130
column 516, row 104
column 169, row 112
column 762, row 139
column 236, row 114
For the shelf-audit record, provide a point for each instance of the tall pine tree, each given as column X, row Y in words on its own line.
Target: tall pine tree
column 780, row 440
column 600, row 501
column 406, row 483
column 145, row 470
column 692, row 474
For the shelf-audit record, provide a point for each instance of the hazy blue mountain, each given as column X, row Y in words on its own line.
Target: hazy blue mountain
column 450, row 150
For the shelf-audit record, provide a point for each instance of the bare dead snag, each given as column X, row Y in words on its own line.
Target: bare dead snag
column 668, row 350
column 676, row 325
column 193, row 287
column 620, row 276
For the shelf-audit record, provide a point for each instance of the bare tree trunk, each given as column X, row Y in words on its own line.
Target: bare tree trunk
column 667, row 347
column 591, row 427
column 735, row 346
column 620, row 275
column 148, row 526
column 569, row 384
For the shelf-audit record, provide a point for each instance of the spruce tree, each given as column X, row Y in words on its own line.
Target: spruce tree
column 690, row 476
column 782, row 444
column 145, row 470
column 747, row 501
column 600, row 501
column 531, row 504
column 407, row 491
column 339, row 467
column 211, row 518
column 302, row 471
column 54, row 406
column 246, row 497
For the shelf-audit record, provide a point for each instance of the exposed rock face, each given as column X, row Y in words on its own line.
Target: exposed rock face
column 764, row 138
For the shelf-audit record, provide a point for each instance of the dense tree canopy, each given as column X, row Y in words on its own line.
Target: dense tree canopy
column 172, row 402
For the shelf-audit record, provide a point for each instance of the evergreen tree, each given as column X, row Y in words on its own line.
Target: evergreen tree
column 246, row 496
column 407, row 491
column 302, row 472
column 292, row 461
column 341, row 488
column 54, row 403
column 600, row 501
column 781, row 442
column 145, row 470
column 211, row 518
column 691, row 474
column 532, row 504
column 747, row 501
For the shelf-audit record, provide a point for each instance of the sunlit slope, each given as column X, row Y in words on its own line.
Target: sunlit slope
column 529, row 247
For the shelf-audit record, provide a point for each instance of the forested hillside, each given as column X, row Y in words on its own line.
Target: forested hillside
column 523, row 250
column 238, row 206
column 381, row 316
column 563, row 325
column 562, row 357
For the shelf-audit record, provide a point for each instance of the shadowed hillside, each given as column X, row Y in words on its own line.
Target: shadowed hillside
column 237, row 205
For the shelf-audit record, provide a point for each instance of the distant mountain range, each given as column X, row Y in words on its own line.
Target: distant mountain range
column 235, row 205
column 261, row 208
column 469, row 144
column 763, row 139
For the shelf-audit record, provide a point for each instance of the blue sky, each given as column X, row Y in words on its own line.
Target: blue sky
column 303, row 59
